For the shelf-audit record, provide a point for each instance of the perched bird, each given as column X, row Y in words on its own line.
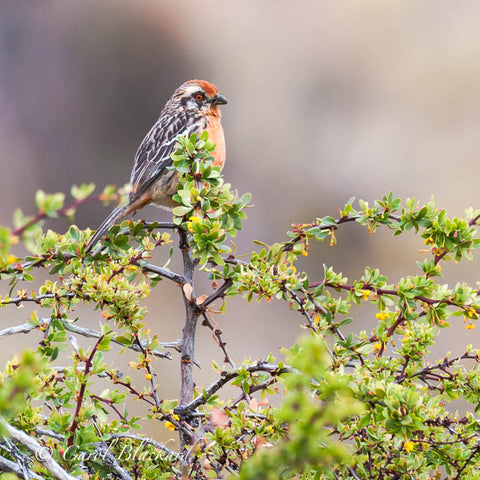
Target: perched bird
column 193, row 108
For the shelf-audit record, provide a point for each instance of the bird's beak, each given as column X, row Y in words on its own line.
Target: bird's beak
column 219, row 100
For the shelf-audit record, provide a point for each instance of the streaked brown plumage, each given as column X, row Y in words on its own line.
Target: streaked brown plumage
column 193, row 108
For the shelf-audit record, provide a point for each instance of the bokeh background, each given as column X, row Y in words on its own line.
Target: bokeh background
column 327, row 100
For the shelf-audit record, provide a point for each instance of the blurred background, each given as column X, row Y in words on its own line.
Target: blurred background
column 327, row 100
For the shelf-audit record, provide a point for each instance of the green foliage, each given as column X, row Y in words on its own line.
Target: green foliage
column 315, row 402
column 22, row 378
column 351, row 403
column 208, row 209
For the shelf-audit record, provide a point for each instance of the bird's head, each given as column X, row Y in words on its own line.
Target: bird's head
column 200, row 96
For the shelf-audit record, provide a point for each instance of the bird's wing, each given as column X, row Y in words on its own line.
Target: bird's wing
column 153, row 154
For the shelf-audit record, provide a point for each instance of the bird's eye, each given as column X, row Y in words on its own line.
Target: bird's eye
column 199, row 97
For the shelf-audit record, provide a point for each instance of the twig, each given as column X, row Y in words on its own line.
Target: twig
column 166, row 225
column 9, row 466
column 111, row 404
column 339, row 221
column 81, row 393
column 226, row 377
column 219, row 293
column 62, row 211
column 37, row 299
column 152, row 380
column 163, row 272
column 50, row 433
column 217, row 333
column 88, row 333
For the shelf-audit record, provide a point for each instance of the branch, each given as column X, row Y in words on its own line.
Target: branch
column 9, row 466
column 163, row 272
column 439, row 366
column 110, row 462
column 383, row 291
column 88, row 333
column 339, row 221
column 50, row 433
column 189, row 330
column 219, row 293
column 36, row 299
column 226, row 377
column 39, row 451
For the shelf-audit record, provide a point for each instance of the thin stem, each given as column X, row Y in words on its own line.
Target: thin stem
column 64, row 211
column 81, row 393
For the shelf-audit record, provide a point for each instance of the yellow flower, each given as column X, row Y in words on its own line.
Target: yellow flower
column 365, row 294
column 409, row 446
column 170, row 426
column 377, row 347
column 472, row 313
column 148, row 376
column 470, row 326
column 190, row 223
column 381, row 315
column 428, row 241
column 11, row 259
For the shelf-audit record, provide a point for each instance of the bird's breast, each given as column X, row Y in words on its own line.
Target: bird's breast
column 215, row 135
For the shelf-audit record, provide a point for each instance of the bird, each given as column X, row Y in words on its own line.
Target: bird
column 193, row 108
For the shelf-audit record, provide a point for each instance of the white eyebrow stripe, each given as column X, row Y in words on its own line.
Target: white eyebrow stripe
column 191, row 89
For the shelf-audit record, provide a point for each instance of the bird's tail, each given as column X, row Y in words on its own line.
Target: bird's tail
column 116, row 214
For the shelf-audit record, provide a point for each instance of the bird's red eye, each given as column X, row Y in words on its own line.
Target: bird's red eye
column 199, row 97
